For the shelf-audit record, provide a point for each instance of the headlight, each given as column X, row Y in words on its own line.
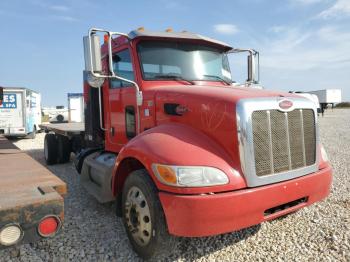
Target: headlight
column 324, row 154
column 190, row 176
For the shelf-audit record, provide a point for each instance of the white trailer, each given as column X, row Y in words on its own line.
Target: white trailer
column 75, row 107
column 58, row 114
column 328, row 96
column 20, row 112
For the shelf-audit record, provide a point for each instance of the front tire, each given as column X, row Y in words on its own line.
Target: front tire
column 144, row 218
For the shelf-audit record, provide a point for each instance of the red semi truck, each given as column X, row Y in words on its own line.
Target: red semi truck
column 181, row 148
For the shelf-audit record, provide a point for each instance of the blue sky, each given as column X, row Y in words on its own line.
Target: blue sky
column 303, row 44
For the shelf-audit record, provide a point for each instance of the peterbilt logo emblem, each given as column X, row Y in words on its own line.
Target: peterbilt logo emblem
column 285, row 105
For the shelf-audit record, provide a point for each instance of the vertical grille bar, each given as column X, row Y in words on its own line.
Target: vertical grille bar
column 303, row 135
column 288, row 141
column 270, row 140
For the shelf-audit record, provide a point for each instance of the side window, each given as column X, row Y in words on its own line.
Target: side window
column 122, row 66
column 130, row 122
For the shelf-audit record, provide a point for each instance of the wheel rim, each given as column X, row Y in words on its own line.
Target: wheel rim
column 138, row 216
column 46, row 153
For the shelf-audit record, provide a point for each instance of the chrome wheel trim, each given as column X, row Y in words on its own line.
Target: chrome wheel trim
column 138, row 216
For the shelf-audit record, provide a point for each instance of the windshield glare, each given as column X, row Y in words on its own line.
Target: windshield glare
column 164, row 59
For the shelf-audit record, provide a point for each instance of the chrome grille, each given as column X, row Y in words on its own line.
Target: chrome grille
column 283, row 141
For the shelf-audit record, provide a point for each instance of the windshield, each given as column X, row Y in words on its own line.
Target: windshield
column 161, row 60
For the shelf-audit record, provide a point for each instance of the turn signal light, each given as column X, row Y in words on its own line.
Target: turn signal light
column 167, row 174
column 10, row 235
column 49, row 226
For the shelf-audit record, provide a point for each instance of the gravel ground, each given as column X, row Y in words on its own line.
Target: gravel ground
column 321, row 232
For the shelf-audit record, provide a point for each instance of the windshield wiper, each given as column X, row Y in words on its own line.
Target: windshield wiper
column 219, row 78
column 174, row 77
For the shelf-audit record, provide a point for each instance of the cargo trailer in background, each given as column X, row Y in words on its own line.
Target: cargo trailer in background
column 75, row 107
column 327, row 96
column 20, row 112
column 58, row 114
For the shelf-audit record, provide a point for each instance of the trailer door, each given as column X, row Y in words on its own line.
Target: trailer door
column 11, row 111
column 76, row 108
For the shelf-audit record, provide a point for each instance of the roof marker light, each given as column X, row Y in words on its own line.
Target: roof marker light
column 105, row 38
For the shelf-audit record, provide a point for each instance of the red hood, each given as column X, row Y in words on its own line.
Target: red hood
column 209, row 109
column 224, row 93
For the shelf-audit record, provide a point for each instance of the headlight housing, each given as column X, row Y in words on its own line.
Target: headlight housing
column 189, row 176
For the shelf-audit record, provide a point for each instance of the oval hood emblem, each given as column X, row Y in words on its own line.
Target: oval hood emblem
column 285, row 104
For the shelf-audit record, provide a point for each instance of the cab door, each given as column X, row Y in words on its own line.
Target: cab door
column 121, row 126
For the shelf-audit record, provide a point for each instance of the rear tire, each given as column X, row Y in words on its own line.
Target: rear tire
column 50, row 149
column 144, row 219
column 63, row 149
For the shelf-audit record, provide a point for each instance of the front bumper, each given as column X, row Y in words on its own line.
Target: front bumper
column 206, row 215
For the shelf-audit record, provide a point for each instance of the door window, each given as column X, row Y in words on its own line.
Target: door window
column 122, row 67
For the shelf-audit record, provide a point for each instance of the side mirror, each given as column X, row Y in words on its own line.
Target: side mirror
column 251, row 68
column 252, row 65
column 93, row 63
column 1, row 95
column 92, row 54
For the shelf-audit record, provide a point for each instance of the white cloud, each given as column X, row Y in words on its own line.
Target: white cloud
column 60, row 8
column 340, row 9
column 306, row 2
column 226, row 29
column 305, row 50
column 66, row 18
column 277, row 29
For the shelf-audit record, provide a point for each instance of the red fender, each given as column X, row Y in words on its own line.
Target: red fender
column 177, row 144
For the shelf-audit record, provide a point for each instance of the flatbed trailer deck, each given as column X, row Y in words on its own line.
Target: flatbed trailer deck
column 29, row 195
column 65, row 129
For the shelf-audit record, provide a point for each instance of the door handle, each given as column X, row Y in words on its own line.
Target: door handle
column 112, row 130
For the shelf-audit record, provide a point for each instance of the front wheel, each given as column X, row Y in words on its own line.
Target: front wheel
column 144, row 218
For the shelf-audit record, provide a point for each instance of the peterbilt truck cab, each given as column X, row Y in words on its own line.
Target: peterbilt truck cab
column 182, row 148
